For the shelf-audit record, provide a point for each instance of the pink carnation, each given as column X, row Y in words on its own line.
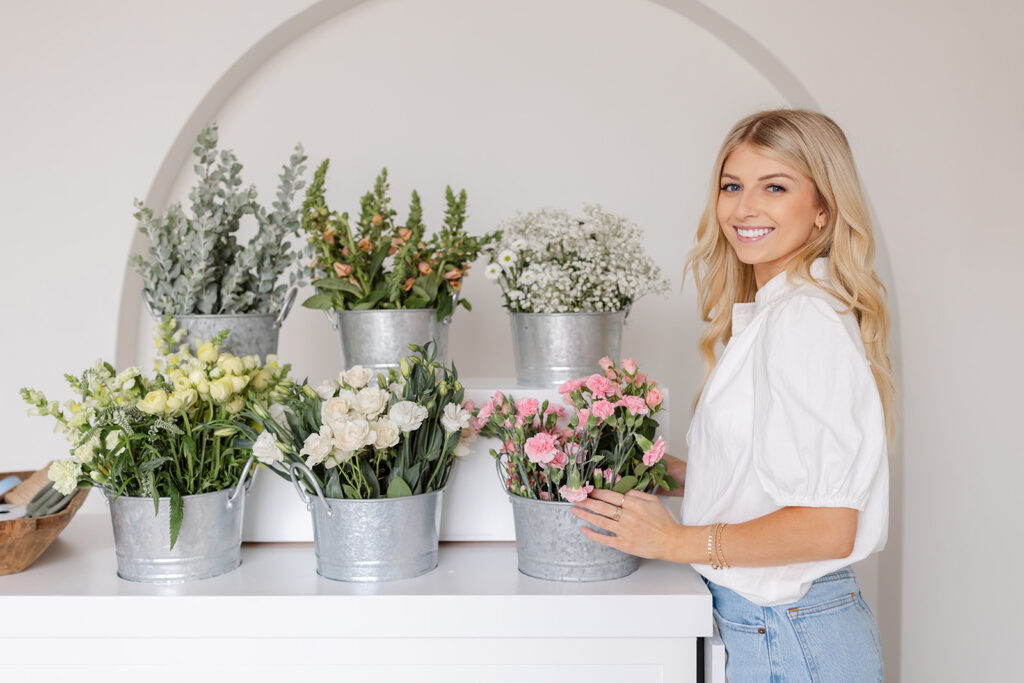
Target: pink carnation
column 654, row 397
column 469, row 405
column 576, row 495
column 486, row 409
column 610, row 476
column 544, row 495
column 601, row 386
column 656, row 452
column 527, row 406
column 629, row 365
column 639, row 379
column 520, row 421
column 610, row 373
column 603, row 409
column 541, row 448
column 571, row 385
column 583, row 414
column 635, row 405
column 559, row 461
column 605, row 363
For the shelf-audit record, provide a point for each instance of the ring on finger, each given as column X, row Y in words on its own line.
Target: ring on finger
column 617, row 515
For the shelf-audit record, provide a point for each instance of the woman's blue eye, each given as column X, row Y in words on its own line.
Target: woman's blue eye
column 730, row 187
column 776, row 188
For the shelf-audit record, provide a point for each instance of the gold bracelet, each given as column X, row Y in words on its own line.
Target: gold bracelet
column 720, row 554
column 711, row 546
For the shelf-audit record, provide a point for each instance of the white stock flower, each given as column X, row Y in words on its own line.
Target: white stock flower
column 64, row 474
column 279, row 413
column 318, row 446
column 407, row 415
column 326, row 389
column 334, row 412
column 354, row 434
column 387, row 433
column 266, row 449
column 356, row 376
column 455, row 418
column 492, row 271
column 371, row 401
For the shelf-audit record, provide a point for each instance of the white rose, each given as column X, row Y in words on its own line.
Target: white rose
column 407, row 416
column 64, row 474
column 334, row 412
column 354, row 434
column 387, row 433
column 357, row 376
column 318, row 446
column 266, row 450
column 371, row 401
column 455, row 418
column 326, row 389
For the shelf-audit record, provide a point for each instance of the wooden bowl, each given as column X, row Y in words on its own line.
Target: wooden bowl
column 23, row 540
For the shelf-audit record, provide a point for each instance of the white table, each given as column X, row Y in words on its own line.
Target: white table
column 474, row 618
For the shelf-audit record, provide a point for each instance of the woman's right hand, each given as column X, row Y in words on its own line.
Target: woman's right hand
column 676, row 470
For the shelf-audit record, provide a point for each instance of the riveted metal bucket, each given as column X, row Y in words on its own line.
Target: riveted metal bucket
column 382, row 539
column 550, row 546
column 251, row 333
column 208, row 544
column 379, row 339
column 550, row 348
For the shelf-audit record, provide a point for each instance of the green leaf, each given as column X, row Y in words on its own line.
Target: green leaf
column 371, row 478
column 416, row 302
column 644, row 442
column 398, row 488
column 151, row 465
column 349, row 491
column 177, row 514
column 332, row 487
column 625, row 484
column 337, row 284
column 319, row 302
column 465, row 304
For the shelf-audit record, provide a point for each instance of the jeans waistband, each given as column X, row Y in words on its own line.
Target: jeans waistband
column 837, row 575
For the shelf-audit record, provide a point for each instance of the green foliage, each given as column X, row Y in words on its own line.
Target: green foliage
column 378, row 264
column 195, row 264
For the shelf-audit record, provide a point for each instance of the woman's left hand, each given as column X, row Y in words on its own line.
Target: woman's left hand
column 641, row 524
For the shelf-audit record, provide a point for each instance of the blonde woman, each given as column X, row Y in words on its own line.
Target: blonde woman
column 787, row 483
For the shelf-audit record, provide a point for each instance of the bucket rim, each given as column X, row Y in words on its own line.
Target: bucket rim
column 385, row 500
column 514, row 499
column 388, row 311
column 149, row 499
column 222, row 316
column 577, row 314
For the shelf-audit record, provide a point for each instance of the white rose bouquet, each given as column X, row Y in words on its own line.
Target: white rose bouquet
column 394, row 437
column 170, row 435
column 550, row 262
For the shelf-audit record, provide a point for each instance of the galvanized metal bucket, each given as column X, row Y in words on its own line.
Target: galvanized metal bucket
column 251, row 333
column 550, row 546
column 208, row 544
column 553, row 347
column 382, row 539
column 379, row 339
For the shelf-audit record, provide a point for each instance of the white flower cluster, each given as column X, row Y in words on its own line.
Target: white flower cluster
column 551, row 262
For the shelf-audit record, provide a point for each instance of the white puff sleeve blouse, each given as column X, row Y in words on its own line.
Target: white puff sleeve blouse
column 790, row 416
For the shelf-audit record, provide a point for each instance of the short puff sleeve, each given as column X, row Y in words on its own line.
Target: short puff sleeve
column 819, row 427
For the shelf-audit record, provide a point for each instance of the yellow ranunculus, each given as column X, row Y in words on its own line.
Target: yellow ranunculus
column 180, row 381
column 197, row 376
column 207, row 353
column 238, row 383
column 203, row 387
column 259, row 380
column 232, row 365
column 154, row 403
column 174, row 404
column 236, row 405
column 221, row 389
column 188, row 397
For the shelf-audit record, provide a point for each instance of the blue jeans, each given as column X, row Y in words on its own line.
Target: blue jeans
column 828, row 635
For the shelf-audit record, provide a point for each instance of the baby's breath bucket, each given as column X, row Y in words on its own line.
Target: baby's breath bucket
column 551, row 348
column 251, row 333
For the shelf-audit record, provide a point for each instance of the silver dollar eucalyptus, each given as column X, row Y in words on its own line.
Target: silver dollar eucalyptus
column 195, row 264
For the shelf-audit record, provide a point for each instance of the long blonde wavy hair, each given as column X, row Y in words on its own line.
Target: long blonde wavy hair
column 813, row 144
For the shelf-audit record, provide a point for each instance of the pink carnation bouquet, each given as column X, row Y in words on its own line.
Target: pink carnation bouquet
column 603, row 437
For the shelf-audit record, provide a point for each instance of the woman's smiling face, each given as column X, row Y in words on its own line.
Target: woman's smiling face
column 767, row 209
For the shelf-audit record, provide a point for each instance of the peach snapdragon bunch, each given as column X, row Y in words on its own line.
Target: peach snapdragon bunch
column 603, row 437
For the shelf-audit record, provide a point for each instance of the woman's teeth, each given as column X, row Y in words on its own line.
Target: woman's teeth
column 753, row 233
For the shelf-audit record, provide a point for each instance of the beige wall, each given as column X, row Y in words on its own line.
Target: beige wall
column 100, row 101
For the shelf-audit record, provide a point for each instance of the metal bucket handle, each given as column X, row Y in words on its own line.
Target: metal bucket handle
column 147, row 299
column 288, row 301
column 305, row 497
column 332, row 318
column 244, row 483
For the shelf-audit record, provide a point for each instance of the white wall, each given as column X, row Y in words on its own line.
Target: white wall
column 97, row 96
